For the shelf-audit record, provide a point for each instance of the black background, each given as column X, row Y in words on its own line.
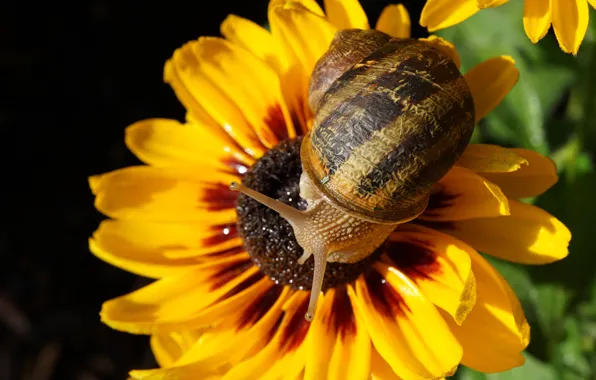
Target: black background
column 73, row 76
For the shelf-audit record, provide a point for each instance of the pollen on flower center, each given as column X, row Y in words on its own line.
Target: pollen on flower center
column 269, row 238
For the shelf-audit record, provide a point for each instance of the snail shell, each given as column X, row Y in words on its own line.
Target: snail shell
column 392, row 117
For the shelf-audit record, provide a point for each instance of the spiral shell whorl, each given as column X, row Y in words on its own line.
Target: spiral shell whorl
column 387, row 128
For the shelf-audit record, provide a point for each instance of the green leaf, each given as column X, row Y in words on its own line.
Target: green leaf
column 532, row 369
column 545, row 73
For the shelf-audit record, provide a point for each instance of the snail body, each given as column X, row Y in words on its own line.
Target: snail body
column 392, row 116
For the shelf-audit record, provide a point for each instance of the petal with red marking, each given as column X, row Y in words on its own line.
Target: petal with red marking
column 463, row 194
column 405, row 327
column 496, row 328
column 438, row 263
column 164, row 142
column 143, row 247
column 165, row 195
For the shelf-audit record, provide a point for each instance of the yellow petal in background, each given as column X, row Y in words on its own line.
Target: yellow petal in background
column 530, row 180
column 445, row 47
column 438, row 263
column 395, row 21
column 165, row 195
column 464, row 194
column 570, row 22
column 490, row 81
column 440, row 14
column 486, row 158
column 529, row 235
column 346, row 14
column 537, row 18
column 164, row 142
column 496, row 327
column 592, row 3
column 405, row 327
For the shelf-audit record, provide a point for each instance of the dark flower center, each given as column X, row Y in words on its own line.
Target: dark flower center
column 269, row 238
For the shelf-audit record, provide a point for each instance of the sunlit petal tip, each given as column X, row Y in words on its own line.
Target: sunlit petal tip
column 490, row 81
column 487, row 158
column 395, row 21
column 570, row 20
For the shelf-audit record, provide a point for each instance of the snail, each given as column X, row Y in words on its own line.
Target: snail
column 392, row 116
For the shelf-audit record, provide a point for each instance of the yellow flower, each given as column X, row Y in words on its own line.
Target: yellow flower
column 420, row 306
column 568, row 17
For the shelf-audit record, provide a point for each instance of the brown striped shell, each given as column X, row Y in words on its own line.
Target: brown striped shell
column 392, row 116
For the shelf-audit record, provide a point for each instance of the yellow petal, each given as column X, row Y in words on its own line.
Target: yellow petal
column 256, row 93
column 530, row 180
column 285, row 355
column 486, row 158
column 444, row 46
column 164, row 142
column 592, row 3
column 490, row 81
column 438, row 263
column 537, row 18
column 141, row 247
column 304, row 36
column 496, row 328
column 529, row 235
column 346, row 14
column 165, row 195
column 254, row 38
column 338, row 344
column 168, row 304
column 380, row 369
column 490, row 3
column 395, row 21
column 351, row 355
column 570, row 22
column 405, row 327
column 439, row 14
column 168, row 347
column 463, row 194
column 202, row 95
column 228, row 343
column 321, row 338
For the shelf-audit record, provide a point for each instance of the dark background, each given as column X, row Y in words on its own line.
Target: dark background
column 72, row 77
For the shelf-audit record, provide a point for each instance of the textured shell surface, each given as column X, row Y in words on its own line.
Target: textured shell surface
column 389, row 124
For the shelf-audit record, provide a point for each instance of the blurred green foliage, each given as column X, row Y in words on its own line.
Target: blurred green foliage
column 552, row 109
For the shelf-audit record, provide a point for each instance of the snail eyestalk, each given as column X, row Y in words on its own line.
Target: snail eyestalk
column 300, row 222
